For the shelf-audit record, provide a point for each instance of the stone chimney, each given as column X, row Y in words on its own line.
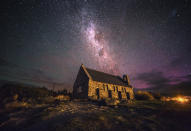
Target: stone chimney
column 126, row 79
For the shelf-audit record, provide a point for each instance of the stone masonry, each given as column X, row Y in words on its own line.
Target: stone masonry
column 95, row 85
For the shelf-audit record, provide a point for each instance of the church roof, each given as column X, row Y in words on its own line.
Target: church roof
column 106, row 78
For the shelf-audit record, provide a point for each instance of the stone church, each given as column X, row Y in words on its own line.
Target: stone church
column 94, row 84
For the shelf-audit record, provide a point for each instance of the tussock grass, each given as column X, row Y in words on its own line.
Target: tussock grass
column 16, row 104
column 85, row 115
column 144, row 95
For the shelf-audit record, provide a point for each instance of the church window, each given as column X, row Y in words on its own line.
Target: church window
column 107, row 87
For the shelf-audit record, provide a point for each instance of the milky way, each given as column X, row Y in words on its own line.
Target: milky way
column 99, row 48
column 48, row 40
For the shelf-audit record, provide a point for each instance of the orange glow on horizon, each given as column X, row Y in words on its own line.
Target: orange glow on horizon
column 180, row 99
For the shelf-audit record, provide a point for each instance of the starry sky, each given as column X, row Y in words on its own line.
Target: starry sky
column 45, row 41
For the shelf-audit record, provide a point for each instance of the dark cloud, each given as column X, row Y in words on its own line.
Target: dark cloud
column 186, row 77
column 153, row 79
column 157, row 82
column 181, row 88
column 15, row 71
column 6, row 63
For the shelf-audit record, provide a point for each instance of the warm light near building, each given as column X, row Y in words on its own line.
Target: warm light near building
column 180, row 99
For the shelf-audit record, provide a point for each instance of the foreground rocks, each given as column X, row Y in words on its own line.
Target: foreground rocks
column 87, row 115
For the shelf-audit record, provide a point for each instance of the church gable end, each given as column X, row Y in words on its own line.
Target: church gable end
column 99, row 85
column 80, row 88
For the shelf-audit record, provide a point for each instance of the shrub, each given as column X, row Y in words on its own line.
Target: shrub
column 15, row 97
column 157, row 96
column 62, row 97
column 143, row 95
column 15, row 104
column 112, row 102
column 20, row 92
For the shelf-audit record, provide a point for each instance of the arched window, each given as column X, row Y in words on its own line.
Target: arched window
column 107, row 87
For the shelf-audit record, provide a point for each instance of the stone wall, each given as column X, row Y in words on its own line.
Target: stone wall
column 103, row 94
column 85, row 87
column 99, row 90
column 115, row 95
column 80, row 88
column 124, row 95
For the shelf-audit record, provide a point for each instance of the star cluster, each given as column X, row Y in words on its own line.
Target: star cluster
column 99, row 48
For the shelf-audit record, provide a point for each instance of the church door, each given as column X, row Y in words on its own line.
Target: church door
column 97, row 92
column 109, row 94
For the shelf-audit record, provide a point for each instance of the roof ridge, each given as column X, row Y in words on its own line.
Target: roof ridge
column 102, row 72
column 106, row 77
column 85, row 70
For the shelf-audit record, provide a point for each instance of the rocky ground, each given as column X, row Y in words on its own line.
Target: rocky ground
column 86, row 115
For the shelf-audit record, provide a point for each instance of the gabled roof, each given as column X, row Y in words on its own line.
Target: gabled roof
column 106, row 78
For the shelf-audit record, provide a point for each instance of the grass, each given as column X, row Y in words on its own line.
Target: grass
column 85, row 115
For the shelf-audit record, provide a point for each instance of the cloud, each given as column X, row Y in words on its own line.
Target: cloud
column 183, row 87
column 11, row 70
column 156, row 81
column 5, row 63
column 153, row 79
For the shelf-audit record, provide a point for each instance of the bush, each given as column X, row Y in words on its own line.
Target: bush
column 157, row 96
column 15, row 104
column 62, row 97
column 15, row 97
column 20, row 92
column 112, row 102
column 143, row 95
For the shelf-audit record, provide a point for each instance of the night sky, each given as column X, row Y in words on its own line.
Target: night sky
column 46, row 41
